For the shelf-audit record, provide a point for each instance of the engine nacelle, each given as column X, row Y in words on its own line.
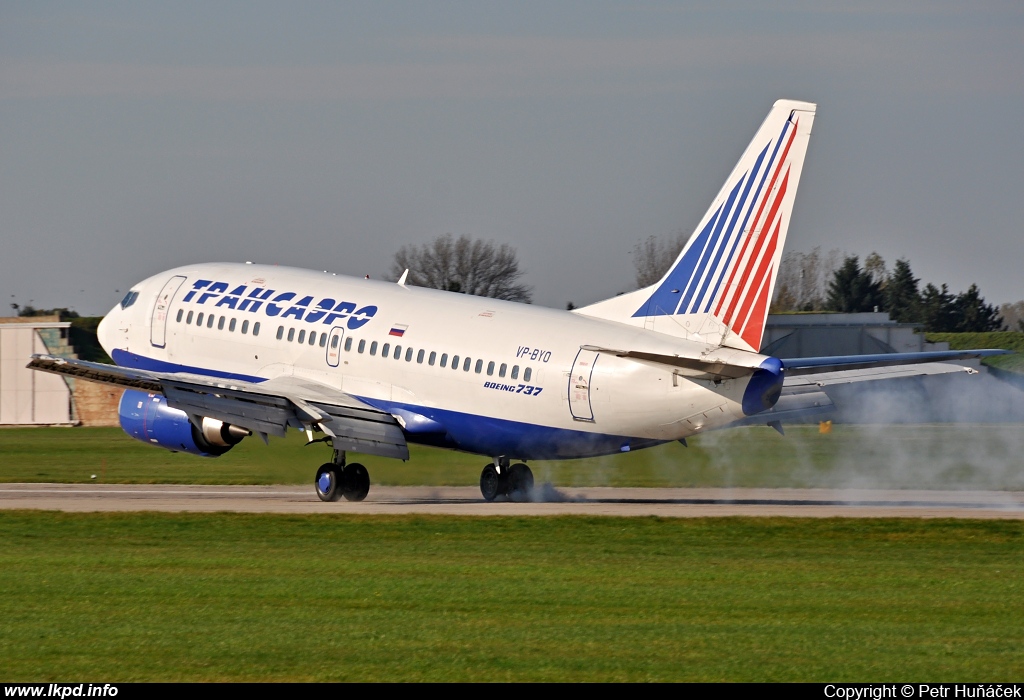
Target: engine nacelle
column 148, row 418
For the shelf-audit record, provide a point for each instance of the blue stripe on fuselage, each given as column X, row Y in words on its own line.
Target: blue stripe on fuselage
column 123, row 358
column 471, row 433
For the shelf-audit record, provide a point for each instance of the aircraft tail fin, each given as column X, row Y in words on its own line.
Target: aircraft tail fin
column 719, row 288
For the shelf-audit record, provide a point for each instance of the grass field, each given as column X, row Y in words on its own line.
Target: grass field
column 151, row 596
column 254, row 597
column 245, row 597
column 903, row 456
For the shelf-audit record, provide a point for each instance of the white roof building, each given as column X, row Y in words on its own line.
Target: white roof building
column 28, row 397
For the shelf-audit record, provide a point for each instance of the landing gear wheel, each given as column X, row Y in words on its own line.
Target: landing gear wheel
column 328, row 482
column 490, row 483
column 357, row 482
column 520, row 479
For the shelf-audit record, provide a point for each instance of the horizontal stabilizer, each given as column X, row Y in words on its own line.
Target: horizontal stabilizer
column 697, row 368
column 817, row 365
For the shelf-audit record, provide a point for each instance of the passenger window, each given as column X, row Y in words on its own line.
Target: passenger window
column 280, row 332
column 408, row 354
column 256, row 328
column 188, row 319
column 501, row 370
column 430, row 360
column 323, row 340
column 231, row 326
column 490, row 369
column 362, row 346
column 526, row 374
column 384, row 351
column 199, row 319
column 334, row 343
column 312, row 337
column 291, row 334
column 348, row 344
column 398, row 352
column 515, row 372
column 302, row 337
column 419, row 357
column 444, row 360
column 220, row 323
column 373, row 348
column 245, row 327
column 455, row 362
column 180, row 312
column 465, row 364
column 210, row 319
column 479, row 366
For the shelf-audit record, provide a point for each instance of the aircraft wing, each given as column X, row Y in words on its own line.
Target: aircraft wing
column 267, row 408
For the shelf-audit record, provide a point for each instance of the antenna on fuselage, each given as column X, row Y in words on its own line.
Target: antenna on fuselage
column 403, row 278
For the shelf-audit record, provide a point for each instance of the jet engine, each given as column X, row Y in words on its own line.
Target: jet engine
column 148, row 418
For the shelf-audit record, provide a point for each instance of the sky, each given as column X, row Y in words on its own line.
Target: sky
column 139, row 136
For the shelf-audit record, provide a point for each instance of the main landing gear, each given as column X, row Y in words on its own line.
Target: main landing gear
column 515, row 481
column 336, row 479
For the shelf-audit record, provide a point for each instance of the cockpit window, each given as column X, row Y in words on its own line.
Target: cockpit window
column 129, row 299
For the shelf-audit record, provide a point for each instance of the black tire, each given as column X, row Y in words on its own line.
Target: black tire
column 328, row 482
column 490, row 483
column 357, row 482
column 520, row 479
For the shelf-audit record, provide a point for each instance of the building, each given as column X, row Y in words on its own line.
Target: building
column 822, row 335
column 28, row 397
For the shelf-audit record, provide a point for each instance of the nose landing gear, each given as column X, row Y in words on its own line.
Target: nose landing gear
column 514, row 482
column 336, row 480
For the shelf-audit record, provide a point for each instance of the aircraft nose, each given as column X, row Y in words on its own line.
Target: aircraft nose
column 107, row 331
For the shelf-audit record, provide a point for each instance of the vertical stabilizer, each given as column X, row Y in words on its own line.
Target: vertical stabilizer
column 719, row 288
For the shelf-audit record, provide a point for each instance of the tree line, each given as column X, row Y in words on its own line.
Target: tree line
column 837, row 281
column 817, row 282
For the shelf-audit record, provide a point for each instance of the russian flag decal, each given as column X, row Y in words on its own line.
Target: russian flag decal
column 398, row 330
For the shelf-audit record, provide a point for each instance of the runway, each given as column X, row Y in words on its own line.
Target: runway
column 548, row 500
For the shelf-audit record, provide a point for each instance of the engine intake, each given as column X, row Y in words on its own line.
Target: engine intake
column 148, row 418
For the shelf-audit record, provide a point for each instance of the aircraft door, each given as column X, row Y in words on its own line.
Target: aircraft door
column 162, row 307
column 579, row 385
column 334, row 346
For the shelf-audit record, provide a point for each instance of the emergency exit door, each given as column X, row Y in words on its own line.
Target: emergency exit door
column 579, row 385
column 162, row 307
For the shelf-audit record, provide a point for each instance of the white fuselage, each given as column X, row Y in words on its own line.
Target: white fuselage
column 523, row 386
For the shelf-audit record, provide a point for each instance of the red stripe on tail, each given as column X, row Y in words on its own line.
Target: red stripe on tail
column 754, row 225
column 755, row 325
column 761, row 281
column 742, row 299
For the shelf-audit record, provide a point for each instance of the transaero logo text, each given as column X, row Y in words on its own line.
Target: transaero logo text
column 283, row 305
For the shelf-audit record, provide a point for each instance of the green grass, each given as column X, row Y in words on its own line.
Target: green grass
column 160, row 597
column 902, row 456
column 198, row 597
column 1004, row 340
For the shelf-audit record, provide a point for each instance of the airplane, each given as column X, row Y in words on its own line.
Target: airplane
column 212, row 353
